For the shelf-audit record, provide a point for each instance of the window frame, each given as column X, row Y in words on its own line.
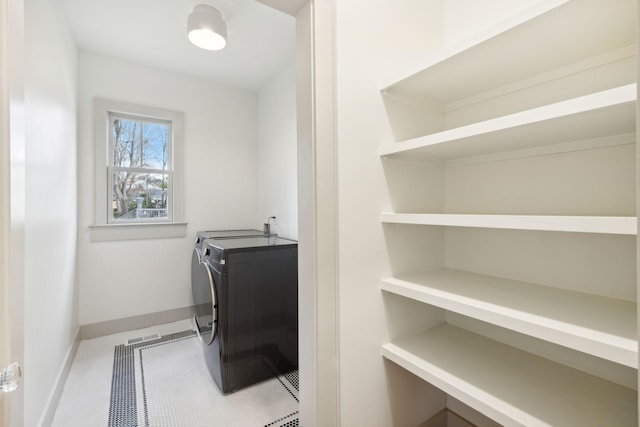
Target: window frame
column 106, row 229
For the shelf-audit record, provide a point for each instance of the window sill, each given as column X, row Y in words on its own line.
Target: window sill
column 132, row 231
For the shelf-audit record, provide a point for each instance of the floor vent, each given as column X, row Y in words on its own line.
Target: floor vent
column 143, row 339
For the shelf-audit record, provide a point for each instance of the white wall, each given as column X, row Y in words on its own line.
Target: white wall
column 277, row 153
column 130, row 278
column 51, row 202
column 375, row 41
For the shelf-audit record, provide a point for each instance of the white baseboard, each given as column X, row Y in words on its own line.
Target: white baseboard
column 52, row 403
column 100, row 329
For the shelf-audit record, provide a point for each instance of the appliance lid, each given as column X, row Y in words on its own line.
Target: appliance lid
column 212, row 234
column 263, row 241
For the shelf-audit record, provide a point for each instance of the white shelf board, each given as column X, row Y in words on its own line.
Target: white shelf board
column 559, row 32
column 606, row 113
column 574, row 224
column 600, row 326
column 511, row 386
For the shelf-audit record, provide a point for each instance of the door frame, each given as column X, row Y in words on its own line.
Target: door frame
column 12, row 198
column 5, row 342
column 318, row 273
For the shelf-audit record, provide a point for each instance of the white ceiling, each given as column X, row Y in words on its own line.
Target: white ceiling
column 260, row 39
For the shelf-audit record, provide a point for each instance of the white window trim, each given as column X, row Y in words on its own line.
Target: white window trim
column 102, row 230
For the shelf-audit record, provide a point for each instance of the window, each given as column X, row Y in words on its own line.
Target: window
column 140, row 156
column 138, row 172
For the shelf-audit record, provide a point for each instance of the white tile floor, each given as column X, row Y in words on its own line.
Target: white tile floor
column 172, row 387
column 87, row 391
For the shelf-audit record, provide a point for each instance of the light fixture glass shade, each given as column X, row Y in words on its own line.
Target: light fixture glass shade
column 206, row 29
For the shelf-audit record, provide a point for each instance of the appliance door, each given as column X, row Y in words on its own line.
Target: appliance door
column 204, row 298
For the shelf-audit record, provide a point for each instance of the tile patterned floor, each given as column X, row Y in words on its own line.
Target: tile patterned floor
column 161, row 382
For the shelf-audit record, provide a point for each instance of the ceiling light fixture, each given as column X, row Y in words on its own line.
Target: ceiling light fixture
column 206, row 28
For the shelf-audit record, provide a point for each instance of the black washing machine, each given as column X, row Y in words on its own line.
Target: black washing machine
column 245, row 291
column 201, row 295
column 196, row 258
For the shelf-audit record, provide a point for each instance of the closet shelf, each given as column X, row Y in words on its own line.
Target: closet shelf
column 574, row 224
column 600, row 326
column 606, row 113
column 548, row 36
column 511, row 386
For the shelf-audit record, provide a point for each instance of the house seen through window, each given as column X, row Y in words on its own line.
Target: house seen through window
column 140, row 173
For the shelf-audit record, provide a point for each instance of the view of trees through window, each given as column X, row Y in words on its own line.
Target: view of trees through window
column 140, row 168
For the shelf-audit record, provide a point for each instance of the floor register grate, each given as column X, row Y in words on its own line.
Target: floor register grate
column 143, row 339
